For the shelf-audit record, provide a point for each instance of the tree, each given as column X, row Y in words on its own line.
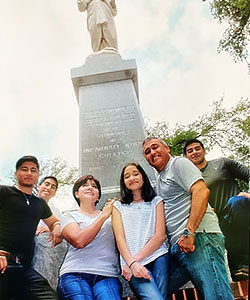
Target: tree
column 60, row 168
column 236, row 37
column 227, row 128
column 174, row 137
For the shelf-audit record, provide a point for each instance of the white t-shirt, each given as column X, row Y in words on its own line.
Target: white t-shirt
column 139, row 226
column 99, row 257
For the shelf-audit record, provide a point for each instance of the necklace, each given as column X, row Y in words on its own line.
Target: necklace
column 27, row 198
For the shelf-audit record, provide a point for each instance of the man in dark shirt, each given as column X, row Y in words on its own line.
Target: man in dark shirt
column 220, row 176
column 20, row 212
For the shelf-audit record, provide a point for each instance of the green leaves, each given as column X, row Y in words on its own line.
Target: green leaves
column 236, row 37
column 227, row 128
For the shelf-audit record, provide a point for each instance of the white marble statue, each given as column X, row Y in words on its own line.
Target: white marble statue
column 100, row 23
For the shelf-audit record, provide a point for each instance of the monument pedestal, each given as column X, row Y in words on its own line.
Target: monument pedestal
column 111, row 125
column 48, row 260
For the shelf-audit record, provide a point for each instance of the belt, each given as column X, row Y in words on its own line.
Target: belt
column 16, row 259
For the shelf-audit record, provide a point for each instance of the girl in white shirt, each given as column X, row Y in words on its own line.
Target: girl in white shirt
column 139, row 226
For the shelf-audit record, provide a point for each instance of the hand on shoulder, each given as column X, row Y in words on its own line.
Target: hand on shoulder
column 244, row 194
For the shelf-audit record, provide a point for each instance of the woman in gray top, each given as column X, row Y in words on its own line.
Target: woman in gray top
column 89, row 270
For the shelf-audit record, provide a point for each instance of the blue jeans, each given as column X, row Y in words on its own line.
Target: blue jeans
column 205, row 267
column 157, row 287
column 83, row 286
column 235, row 227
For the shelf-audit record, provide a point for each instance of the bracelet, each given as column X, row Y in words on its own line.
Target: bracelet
column 133, row 262
column 54, row 225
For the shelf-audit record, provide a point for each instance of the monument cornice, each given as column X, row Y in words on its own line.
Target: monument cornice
column 102, row 69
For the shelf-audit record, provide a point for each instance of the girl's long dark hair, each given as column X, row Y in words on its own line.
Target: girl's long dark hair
column 147, row 192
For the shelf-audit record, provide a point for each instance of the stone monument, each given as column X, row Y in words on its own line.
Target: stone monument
column 111, row 124
column 106, row 87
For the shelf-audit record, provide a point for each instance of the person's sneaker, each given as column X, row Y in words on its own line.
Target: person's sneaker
column 241, row 274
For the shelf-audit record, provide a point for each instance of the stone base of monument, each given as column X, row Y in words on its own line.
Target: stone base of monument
column 47, row 260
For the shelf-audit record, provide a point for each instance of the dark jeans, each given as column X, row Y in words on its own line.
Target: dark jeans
column 235, row 227
column 83, row 286
column 20, row 283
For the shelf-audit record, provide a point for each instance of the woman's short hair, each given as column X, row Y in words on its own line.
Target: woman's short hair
column 82, row 180
column 147, row 192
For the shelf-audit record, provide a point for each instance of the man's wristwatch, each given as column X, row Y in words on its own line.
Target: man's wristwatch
column 188, row 233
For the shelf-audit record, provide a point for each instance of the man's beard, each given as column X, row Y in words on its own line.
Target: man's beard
column 200, row 161
column 28, row 185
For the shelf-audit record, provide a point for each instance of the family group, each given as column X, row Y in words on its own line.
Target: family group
column 191, row 225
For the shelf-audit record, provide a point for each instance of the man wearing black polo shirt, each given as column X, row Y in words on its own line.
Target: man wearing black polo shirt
column 220, row 176
column 20, row 212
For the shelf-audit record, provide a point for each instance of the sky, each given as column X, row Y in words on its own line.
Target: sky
column 174, row 44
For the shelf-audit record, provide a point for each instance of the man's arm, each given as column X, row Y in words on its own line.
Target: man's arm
column 199, row 201
column 55, row 227
column 237, row 169
column 244, row 194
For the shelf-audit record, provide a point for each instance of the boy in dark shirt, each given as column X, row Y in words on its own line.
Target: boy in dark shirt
column 20, row 212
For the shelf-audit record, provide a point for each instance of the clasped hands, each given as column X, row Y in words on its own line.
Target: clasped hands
column 137, row 270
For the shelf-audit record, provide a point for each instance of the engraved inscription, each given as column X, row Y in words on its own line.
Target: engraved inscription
column 109, row 116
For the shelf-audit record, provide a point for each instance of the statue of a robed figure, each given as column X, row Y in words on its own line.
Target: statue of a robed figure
column 100, row 22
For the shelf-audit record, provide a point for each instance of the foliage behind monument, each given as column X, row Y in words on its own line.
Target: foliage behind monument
column 229, row 129
column 236, row 38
